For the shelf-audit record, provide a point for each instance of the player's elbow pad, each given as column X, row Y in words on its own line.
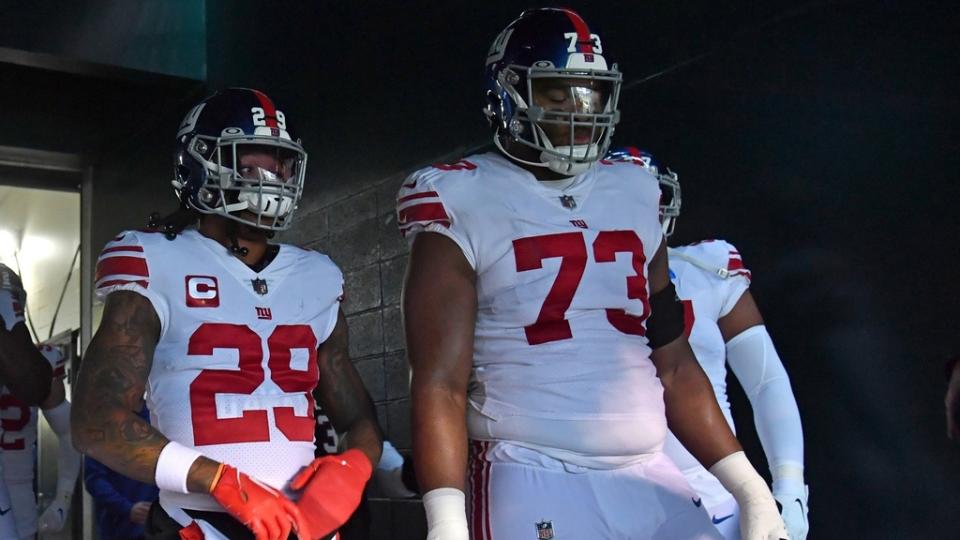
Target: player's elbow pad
column 666, row 319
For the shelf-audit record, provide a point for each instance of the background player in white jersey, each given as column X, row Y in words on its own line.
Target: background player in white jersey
column 231, row 338
column 24, row 372
column 18, row 451
column 728, row 329
column 538, row 305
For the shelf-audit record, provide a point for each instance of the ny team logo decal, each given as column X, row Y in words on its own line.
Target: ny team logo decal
column 202, row 291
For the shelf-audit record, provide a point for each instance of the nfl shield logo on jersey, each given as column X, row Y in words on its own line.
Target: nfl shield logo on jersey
column 259, row 286
column 545, row 530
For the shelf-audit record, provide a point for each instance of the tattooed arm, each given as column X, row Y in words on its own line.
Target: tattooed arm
column 109, row 391
column 344, row 398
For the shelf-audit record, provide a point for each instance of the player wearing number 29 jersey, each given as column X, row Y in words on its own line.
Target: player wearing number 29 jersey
column 230, row 338
column 235, row 365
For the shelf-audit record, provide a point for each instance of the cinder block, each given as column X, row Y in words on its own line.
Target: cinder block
column 306, row 228
column 381, row 525
column 363, row 289
column 372, row 372
column 356, row 246
column 392, row 243
column 396, row 375
column 393, row 338
column 387, row 192
column 391, row 279
column 398, row 418
column 382, row 417
column 366, row 334
column 353, row 209
column 409, row 519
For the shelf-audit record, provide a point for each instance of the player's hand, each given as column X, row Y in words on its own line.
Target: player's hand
column 793, row 510
column 262, row 509
column 55, row 516
column 332, row 487
column 760, row 520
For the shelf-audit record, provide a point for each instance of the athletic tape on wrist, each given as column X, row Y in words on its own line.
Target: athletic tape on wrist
column 444, row 505
column 738, row 476
column 173, row 466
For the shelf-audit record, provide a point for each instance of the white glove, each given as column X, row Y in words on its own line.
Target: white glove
column 55, row 516
column 446, row 514
column 759, row 518
column 389, row 474
column 792, row 495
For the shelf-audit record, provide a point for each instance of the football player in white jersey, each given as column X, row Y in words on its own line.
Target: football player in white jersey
column 728, row 329
column 231, row 338
column 24, row 372
column 538, row 306
column 18, row 450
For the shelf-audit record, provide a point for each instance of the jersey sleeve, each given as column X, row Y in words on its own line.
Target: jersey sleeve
column 738, row 276
column 422, row 206
column 124, row 265
column 329, row 273
column 13, row 298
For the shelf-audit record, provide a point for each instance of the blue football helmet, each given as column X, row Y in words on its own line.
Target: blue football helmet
column 669, row 183
column 213, row 174
column 550, row 87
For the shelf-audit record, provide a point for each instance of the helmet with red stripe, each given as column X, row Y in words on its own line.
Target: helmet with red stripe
column 550, row 88
column 236, row 157
column 669, row 183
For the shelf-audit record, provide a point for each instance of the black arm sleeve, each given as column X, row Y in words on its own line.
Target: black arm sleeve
column 666, row 319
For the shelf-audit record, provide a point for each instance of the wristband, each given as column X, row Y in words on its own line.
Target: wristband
column 173, row 466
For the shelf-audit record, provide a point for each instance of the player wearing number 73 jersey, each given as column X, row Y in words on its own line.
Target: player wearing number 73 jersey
column 230, row 337
column 538, row 306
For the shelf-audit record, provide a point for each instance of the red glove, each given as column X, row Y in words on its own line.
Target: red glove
column 262, row 509
column 191, row 532
column 332, row 487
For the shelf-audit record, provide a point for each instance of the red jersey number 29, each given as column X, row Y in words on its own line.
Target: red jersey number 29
column 571, row 248
column 252, row 425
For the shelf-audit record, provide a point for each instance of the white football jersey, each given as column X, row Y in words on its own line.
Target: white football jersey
column 560, row 362
column 710, row 277
column 235, row 366
column 20, row 424
column 18, row 446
